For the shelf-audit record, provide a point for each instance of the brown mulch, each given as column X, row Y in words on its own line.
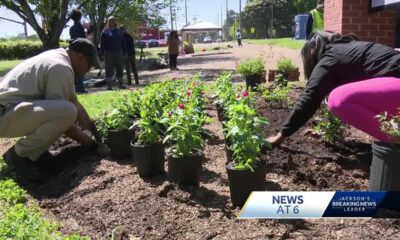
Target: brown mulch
column 97, row 196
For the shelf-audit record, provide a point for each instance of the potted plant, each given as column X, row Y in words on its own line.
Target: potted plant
column 116, row 125
column 118, row 133
column 147, row 149
column 185, row 134
column 224, row 94
column 385, row 156
column 247, row 172
column 288, row 69
column 252, row 69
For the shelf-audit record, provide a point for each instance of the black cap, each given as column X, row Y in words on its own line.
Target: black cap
column 87, row 48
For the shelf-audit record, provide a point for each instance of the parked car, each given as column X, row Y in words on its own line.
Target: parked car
column 162, row 42
column 207, row 40
column 140, row 44
column 153, row 43
column 218, row 40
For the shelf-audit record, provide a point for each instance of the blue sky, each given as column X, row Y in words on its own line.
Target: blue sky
column 207, row 10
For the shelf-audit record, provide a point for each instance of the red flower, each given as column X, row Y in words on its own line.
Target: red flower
column 182, row 106
column 245, row 93
column 188, row 93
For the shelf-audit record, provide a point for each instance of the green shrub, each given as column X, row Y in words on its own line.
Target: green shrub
column 22, row 49
column 329, row 126
column 252, row 66
column 285, row 66
column 390, row 124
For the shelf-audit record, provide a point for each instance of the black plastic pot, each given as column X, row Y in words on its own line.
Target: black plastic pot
column 385, row 167
column 149, row 159
column 185, row 170
column 119, row 143
column 253, row 81
column 243, row 182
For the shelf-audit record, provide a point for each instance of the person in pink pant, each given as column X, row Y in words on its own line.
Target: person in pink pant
column 360, row 79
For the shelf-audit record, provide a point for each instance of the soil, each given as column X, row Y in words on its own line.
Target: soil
column 97, row 196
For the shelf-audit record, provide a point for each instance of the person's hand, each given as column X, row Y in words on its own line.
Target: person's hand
column 276, row 140
column 310, row 132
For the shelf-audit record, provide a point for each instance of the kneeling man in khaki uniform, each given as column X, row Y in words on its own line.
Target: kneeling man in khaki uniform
column 39, row 104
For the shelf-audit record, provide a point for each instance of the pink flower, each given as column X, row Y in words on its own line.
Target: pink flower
column 245, row 93
column 182, row 106
column 188, row 93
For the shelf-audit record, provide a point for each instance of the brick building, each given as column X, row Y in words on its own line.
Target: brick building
column 357, row 16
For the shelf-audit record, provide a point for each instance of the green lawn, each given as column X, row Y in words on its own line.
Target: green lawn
column 6, row 65
column 282, row 42
column 96, row 104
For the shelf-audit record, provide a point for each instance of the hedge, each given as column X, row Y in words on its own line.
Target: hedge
column 22, row 49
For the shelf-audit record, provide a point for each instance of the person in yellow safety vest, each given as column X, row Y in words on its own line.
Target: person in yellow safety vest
column 315, row 21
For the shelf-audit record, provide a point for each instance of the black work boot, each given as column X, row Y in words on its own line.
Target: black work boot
column 22, row 166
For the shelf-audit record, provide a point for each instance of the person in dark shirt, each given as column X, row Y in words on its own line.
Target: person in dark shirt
column 130, row 61
column 77, row 31
column 113, row 50
column 361, row 79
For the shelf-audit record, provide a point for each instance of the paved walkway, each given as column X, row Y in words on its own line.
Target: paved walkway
column 211, row 63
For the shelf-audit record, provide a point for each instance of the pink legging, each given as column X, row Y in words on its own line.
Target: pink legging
column 358, row 103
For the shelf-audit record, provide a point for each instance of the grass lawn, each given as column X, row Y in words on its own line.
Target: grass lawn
column 6, row 65
column 282, row 42
column 96, row 104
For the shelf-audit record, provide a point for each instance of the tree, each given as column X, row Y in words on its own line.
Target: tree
column 228, row 23
column 130, row 13
column 54, row 16
column 259, row 14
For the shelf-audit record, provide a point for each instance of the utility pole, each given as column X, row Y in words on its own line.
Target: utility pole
column 227, row 23
column 186, row 12
column 240, row 15
column 221, row 16
column 176, row 24
column 272, row 18
column 170, row 10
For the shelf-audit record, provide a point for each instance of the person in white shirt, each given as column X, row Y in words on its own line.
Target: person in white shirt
column 38, row 103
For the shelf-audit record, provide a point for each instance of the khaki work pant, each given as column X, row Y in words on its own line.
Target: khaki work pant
column 40, row 123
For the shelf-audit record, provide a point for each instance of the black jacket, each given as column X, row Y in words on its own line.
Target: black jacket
column 344, row 61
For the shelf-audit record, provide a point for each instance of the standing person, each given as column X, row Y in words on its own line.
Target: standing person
column 39, row 104
column 361, row 80
column 130, row 61
column 239, row 37
column 173, row 43
column 315, row 20
column 77, row 31
column 113, row 50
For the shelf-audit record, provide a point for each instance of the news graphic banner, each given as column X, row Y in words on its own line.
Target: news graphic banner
column 266, row 205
